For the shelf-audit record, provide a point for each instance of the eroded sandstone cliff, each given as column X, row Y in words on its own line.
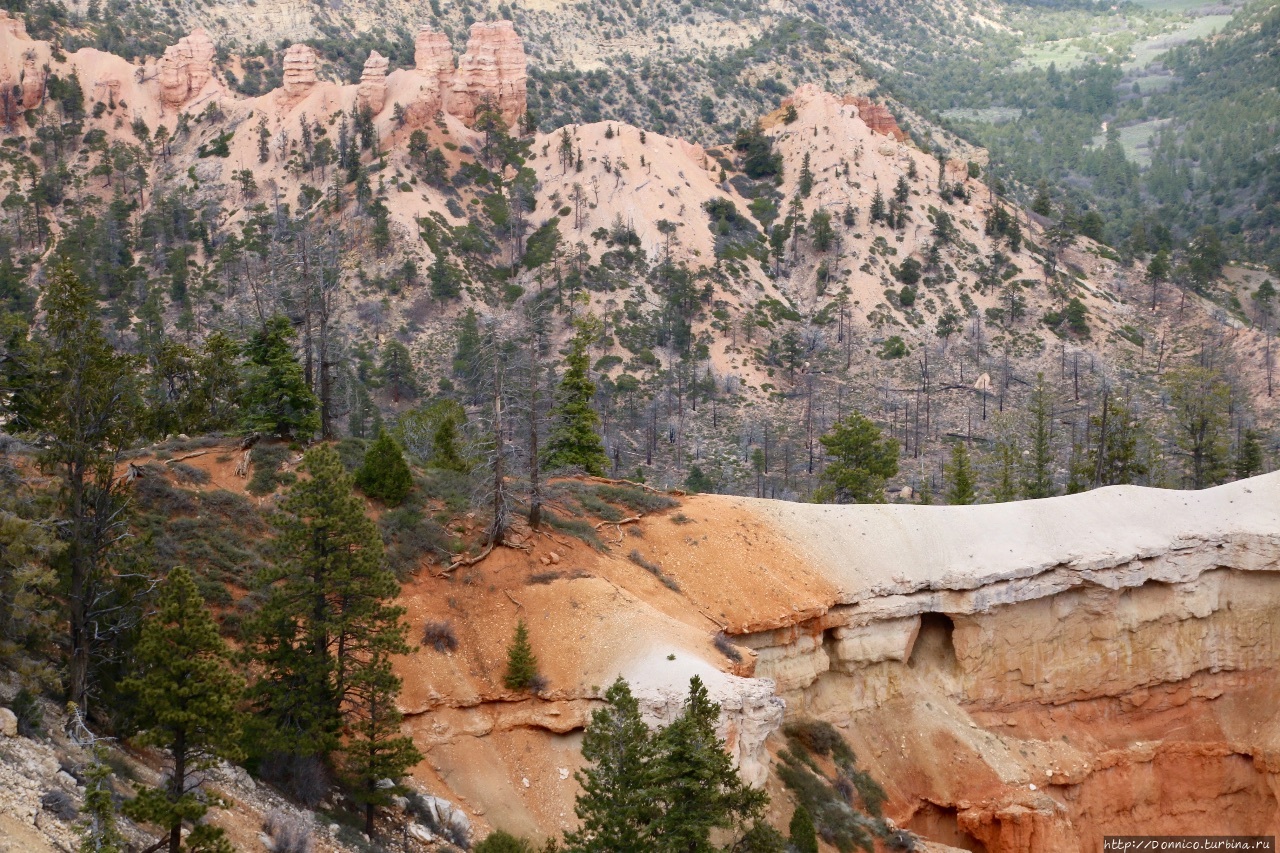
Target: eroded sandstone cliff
column 1020, row 677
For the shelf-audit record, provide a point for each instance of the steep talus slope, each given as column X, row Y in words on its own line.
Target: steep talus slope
column 1022, row 677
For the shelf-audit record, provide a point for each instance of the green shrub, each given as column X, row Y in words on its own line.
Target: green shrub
column 804, row 837
column 503, row 842
column 384, row 474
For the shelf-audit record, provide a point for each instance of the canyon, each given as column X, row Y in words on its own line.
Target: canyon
column 1019, row 677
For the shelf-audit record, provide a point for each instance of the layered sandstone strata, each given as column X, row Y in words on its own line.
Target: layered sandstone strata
column 372, row 92
column 185, row 69
column 493, row 70
column 300, row 62
column 433, row 56
column 1029, row 677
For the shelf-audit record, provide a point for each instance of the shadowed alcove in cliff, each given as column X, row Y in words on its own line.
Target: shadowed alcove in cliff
column 941, row 824
column 934, row 649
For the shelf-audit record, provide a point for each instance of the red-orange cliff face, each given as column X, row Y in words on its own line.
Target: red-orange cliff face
column 877, row 117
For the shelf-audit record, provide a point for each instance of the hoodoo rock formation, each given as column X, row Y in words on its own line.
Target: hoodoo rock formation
column 494, row 69
column 185, row 69
column 372, row 93
column 300, row 63
column 433, row 56
column 33, row 80
column 21, row 67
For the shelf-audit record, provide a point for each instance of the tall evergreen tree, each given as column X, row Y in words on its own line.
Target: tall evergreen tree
column 878, row 209
column 805, row 185
column 695, row 780
column 1200, row 399
column 615, row 806
column 960, row 484
column 85, row 409
column 277, row 399
column 97, row 830
column 398, row 372
column 1114, row 457
column 326, row 617
column 1038, row 478
column 1248, row 461
column 574, row 440
column 186, row 695
column 375, row 749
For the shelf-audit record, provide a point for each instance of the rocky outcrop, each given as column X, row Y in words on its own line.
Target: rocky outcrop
column 433, row 56
column 1083, row 663
column 877, row 117
column 20, row 68
column 750, row 709
column 492, row 69
column 33, row 80
column 185, row 69
column 372, row 92
column 12, row 28
column 300, row 63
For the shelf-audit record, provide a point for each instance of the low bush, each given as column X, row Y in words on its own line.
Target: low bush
column 439, row 636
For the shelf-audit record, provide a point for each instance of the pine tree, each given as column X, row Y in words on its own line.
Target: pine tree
column 1038, row 480
column 384, row 475
column 804, row 838
column 98, row 831
column 1042, row 205
column 443, row 278
column 615, row 806
column 264, row 141
column 375, row 749
column 1006, row 486
column 877, row 206
column 1248, row 461
column 695, row 781
column 1200, row 399
column 326, row 617
column 522, row 665
column 902, row 191
column 397, row 371
column 806, row 177
column 185, row 694
column 277, row 399
column 574, row 441
column 1114, row 457
column 85, row 408
column 959, row 474
column 861, row 462
column 820, row 228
